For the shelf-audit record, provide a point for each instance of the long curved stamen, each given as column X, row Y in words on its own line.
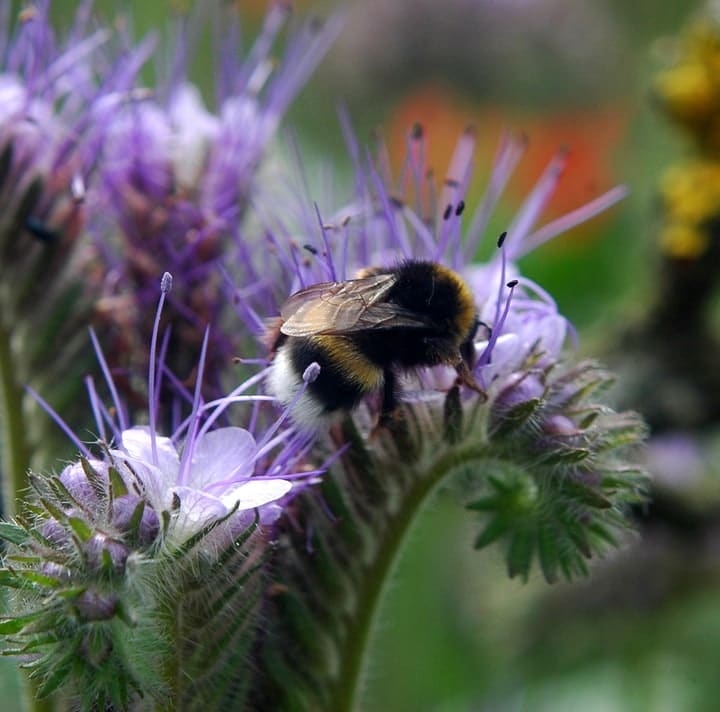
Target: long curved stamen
column 165, row 287
column 220, row 405
column 576, row 217
column 63, row 425
column 509, row 153
column 534, row 203
column 119, row 408
column 328, row 252
column 96, row 407
column 310, row 374
column 486, row 355
column 192, row 438
column 503, row 269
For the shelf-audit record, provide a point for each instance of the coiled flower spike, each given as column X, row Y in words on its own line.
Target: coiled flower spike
column 136, row 573
column 537, row 455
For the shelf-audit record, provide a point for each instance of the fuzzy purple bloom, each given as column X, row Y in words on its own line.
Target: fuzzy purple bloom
column 388, row 222
column 176, row 182
column 200, row 475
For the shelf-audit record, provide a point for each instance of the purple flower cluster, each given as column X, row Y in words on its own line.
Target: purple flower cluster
column 201, row 473
column 176, row 180
column 387, row 222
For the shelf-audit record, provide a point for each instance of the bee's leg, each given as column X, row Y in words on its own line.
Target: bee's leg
column 389, row 401
column 467, row 352
column 466, row 378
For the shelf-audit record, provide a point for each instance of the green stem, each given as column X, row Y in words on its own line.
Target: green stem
column 15, row 464
column 15, row 448
column 47, row 704
column 378, row 575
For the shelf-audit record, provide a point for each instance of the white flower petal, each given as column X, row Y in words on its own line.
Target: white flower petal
column 138, row 444
column 256, row 493
column 221, row 454
column 197, row 509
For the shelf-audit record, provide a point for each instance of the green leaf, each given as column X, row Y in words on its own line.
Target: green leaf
column 15, row 624
column 38, row 579
column 13, row 533
column 517, row 416
column 10, row 578
column 81, row 528
column 547, row 544
column 93, row 478
column 585, row 494
column 566, row 456
column 136, row 521
column 54, row 511
column 497, row 528
column 520, row 552
column 62, row 492
column 117, row 484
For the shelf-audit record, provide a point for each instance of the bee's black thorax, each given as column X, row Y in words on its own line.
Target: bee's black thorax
column 439, row 295
column 428, row 289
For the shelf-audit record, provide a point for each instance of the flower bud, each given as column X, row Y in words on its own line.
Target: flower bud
column 124, row 509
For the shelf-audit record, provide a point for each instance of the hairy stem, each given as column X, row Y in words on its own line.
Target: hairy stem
column 379, row 573
column 15, row 464
column 15, row 448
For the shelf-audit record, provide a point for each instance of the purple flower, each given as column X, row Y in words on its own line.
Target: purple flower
column 56, row 94
column 176, row 182
column 206, row 486
column 388, row 221
column 54, row 104
column 199, row 475
column 156, row 538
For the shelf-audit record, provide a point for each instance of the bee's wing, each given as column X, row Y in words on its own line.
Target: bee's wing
column 343, row 307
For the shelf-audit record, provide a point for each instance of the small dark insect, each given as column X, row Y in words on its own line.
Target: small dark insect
column 40, row 230
column 363, row 331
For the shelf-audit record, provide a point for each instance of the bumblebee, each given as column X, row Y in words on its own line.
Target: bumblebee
column 363, row 331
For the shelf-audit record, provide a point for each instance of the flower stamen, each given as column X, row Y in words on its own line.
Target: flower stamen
column 165, row 287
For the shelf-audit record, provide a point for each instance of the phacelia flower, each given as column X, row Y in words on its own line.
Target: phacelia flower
column 519, row 320
column 56, row 95
column 176, row 182
column 147, row 549
column 534, row 453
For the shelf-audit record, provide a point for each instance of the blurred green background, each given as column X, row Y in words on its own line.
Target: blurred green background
column 455, row 634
